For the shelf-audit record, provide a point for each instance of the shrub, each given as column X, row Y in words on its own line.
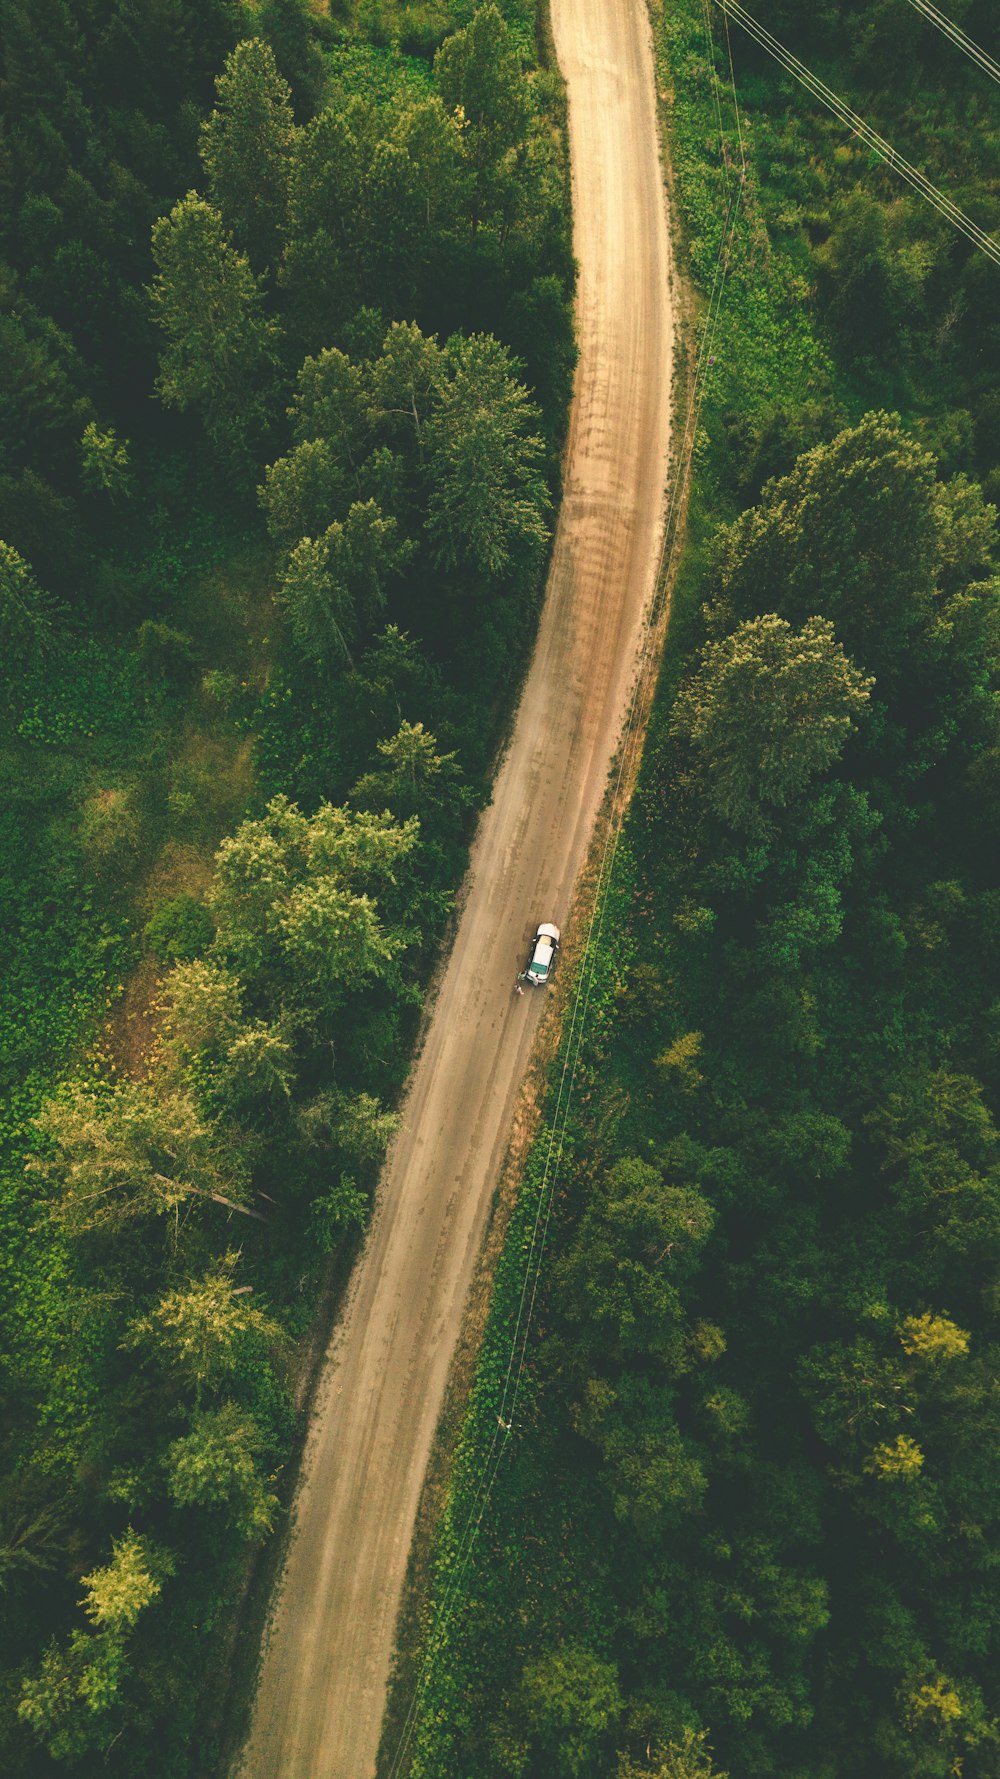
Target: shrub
column 111, row 830
column 179, row 930
column 166, row 653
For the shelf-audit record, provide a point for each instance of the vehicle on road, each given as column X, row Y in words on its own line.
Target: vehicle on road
column 544, row 951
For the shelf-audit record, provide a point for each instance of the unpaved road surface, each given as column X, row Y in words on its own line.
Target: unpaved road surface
column 322, row 1691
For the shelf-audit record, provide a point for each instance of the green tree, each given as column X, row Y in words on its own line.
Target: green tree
column 940, row 1150
column 638, row 1242
column 199, row 1330
column 32, row 1538
column 138, row 1151
column 478, row 74
column 687, row 1756
column 432, row 140
column 334, row 939
column 488, row 495
column 294, row 899
column 220, row 348
column 355, row 1126
column 25, row 620
column 259, row 1065
column 105, row 461
column 295, row 32
column 341, row 1207
column 248, row 1062
column 318, row 605
column 966, row 527
column 325, row 199
column 302, row 491
column 934, row 1340
column 873, row 280
column 204, row 1007
column 367, row 551
column 768, row 710
column 855, row 1391
column 407, row 379
column 246, row 148
column 896, row 1460
column 571, row 1703
column 216, row 1465
column 412, row 778
column 851, row 532
column 69, row 1701
column 342, row 1135
column 116, row 1595
column 332, row 402
column 653, row 1473
column 334, row 586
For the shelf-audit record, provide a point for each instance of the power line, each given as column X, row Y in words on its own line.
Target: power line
column 898, row 162
column 706, row 14
column 736, row 103
column 958, row 37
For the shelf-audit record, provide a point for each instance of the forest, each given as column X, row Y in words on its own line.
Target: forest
column 287, row 349
column 747, row 1519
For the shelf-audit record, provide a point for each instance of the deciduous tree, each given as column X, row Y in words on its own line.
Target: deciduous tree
column 104, row 459
column 687, row 1756
column 478, row 74
column 246, row 148
column 25, row 620
column 198, row 1330
column 850, row 533
column 294, row 898
column 216, row 1465
column 488, row 497
column 572, row 1703
column 137, row 1151
column 220, row 346
column 768, row 710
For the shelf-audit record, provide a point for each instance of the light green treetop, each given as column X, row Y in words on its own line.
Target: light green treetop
column 769, row 708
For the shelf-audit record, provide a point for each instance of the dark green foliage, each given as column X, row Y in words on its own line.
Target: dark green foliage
column 25, row 621
column 164, row 651
column 220, row 351
column 180, row 930
column 246, row 150
column 760, row 1400
column 571, row 1703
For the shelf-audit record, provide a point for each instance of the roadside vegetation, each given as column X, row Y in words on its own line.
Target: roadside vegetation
column 288, row 346
column 747, row 1518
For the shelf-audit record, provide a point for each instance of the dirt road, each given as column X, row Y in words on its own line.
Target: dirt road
column 323, row 1685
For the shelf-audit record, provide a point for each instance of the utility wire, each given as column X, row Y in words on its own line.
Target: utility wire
column 736, row 103
column 958, row 37
column 898, row 162
column 706, row 13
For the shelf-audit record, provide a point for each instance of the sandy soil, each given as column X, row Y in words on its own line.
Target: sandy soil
column 323, row 1684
